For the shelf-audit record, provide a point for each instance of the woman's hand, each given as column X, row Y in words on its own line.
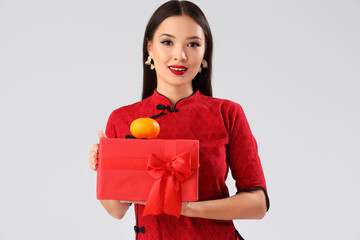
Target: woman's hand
column 185, row 209
column 115, row 208
column 93, row 159
column 139, row 202
column 244, row 205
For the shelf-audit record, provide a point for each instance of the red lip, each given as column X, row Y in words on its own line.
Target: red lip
column 177, row 72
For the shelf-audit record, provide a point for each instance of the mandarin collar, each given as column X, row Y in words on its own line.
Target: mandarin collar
column 158, row 98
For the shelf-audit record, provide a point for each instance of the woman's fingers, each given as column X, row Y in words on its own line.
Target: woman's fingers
column 93, row 159
column 95, row 147
column 93, row 164
column 94, row 150
column 101, row 134
column 140, row 202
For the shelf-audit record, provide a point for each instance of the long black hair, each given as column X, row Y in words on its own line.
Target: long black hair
column 202, row 81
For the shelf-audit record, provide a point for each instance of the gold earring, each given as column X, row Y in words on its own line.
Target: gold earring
column 204, row 64
column 148, row 62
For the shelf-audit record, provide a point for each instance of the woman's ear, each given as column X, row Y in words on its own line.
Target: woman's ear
column 149, row 47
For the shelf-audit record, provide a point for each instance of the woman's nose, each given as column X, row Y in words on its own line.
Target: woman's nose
column 180, row 54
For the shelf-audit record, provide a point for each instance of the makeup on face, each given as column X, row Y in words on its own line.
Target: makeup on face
column 177, row 70
column 177, row 49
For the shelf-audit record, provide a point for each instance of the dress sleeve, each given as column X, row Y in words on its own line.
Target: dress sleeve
column 110, row 131
column 242, row 154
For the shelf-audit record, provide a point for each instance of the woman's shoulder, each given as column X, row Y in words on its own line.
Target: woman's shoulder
column 129, row 108
column 221, row 102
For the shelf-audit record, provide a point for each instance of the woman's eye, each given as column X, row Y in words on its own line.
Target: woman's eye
column 166, row 42
column 194, row 44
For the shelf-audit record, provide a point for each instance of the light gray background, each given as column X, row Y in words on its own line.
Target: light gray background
column 292, row 65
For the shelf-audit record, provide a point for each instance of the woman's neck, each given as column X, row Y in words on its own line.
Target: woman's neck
column 174, row 94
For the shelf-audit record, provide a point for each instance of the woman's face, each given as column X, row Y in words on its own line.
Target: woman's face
column 177, row 49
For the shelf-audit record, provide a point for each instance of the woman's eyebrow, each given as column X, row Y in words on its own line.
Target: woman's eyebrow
column 169, row 35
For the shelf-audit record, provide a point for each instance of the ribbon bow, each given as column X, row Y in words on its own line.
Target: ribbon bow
column 165, row 194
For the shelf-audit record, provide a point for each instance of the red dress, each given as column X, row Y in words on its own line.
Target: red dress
column 225, row 141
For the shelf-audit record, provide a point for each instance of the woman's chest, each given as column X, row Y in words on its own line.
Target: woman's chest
column 206, row 126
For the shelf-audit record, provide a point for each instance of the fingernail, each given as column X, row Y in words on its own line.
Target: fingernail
column 96, row 149
column 94, row 166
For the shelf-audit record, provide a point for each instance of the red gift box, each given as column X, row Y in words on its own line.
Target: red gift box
column 162, row 172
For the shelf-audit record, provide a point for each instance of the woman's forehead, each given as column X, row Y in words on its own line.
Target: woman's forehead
column 180, row 26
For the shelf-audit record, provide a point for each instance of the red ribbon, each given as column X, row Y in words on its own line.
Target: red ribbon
column 165, row 195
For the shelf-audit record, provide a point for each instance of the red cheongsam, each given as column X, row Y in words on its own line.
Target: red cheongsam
column 226, row 141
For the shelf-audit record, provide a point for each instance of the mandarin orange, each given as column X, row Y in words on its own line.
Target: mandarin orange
column 145, row 128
